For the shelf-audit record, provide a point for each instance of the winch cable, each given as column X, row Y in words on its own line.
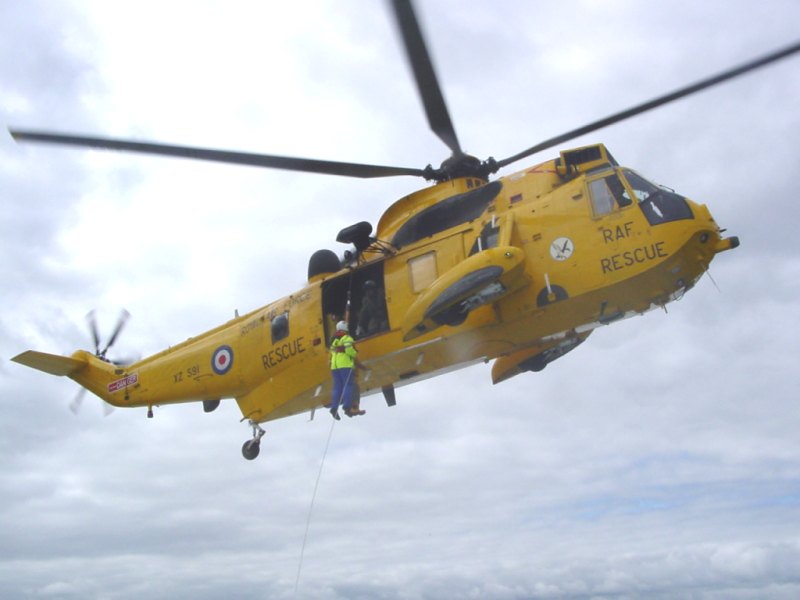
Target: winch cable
column 324, row 454
column 311, row 508
column 314, row 494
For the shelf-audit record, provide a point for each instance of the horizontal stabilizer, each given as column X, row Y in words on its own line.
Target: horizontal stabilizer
column 49, row 363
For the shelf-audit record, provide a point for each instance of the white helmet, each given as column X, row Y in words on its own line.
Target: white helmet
column 342, row 326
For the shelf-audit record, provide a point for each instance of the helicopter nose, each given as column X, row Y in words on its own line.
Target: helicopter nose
column 724, row 244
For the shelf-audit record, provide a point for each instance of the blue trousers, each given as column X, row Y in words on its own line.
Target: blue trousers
column 342, row 388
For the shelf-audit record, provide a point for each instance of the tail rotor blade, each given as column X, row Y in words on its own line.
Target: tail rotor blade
column 91, row 319
column 123, row 318
column 77, row 401
column 126, row 361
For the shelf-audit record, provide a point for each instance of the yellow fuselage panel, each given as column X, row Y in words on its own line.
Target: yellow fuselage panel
column 500, row 266
column 232, row 360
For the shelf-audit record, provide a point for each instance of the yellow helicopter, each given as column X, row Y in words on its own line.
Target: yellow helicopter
column 519, row 269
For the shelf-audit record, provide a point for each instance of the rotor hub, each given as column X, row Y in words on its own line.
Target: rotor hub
column 461, row 165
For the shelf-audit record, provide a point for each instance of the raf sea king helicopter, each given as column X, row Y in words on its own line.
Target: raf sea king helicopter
column 519, row 269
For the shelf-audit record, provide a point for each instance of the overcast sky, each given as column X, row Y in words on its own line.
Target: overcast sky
column 658, row 460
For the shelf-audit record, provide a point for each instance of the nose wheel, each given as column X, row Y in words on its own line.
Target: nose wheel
column 251, row 448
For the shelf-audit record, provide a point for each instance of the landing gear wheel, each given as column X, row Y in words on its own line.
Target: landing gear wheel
column 251, row 448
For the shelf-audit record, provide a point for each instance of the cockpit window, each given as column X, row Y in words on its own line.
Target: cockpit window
column 606, row 193
column 642, row 188
column 658, row 204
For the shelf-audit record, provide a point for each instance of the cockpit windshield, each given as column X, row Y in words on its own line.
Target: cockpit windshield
column 642, row 188
column 659, row 204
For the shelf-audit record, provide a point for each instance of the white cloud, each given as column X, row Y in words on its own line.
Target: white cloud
column 658, row 460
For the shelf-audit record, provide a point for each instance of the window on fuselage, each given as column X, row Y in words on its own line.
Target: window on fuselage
column 422, row 270
column 607, row 193
column 446, row 214
column 280, row 327
column 488, row 238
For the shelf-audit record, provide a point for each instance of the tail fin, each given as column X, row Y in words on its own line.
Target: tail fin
column 98, row 376
column 50, row 363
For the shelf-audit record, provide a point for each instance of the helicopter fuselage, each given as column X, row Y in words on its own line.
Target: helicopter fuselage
column 520, row 270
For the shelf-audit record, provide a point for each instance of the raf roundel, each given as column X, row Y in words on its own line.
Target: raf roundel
column 222, row 360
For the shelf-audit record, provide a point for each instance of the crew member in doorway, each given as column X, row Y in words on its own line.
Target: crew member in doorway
column 343, row 362
column 371, row 315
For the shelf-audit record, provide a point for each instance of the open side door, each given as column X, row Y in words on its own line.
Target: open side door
column 359, row 296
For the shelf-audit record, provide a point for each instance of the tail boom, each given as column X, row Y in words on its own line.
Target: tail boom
column 96, row 375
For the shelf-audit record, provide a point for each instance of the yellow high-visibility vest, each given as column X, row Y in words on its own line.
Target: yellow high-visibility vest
column 343, row 352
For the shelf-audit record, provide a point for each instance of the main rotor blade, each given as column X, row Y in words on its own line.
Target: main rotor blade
column 655, row 103
column 427, row 83
column 287, row 163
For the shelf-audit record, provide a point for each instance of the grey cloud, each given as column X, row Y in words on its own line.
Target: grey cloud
column 658, row 460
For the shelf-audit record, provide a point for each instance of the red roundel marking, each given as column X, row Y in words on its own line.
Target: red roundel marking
column 222, row 360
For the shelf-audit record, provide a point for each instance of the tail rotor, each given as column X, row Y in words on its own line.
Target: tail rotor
column 91, row 320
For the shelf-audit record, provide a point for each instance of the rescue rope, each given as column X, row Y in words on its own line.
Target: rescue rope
column 708, row 272
column 311, row 508
column 314, row 494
